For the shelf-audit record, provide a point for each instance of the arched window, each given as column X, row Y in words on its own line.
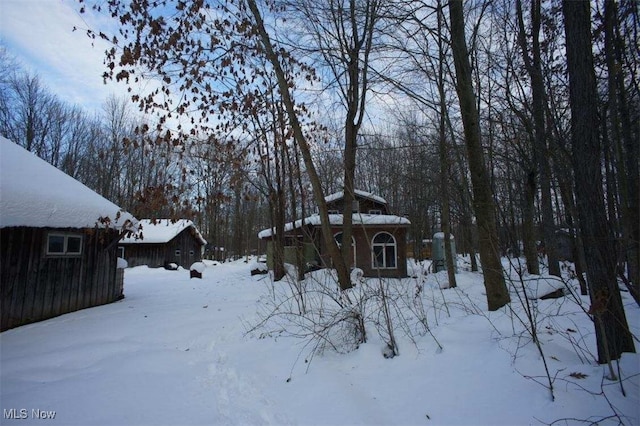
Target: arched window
column 384, row 251
column 338, row 238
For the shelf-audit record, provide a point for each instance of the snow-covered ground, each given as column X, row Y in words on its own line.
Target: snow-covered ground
column 177, row 351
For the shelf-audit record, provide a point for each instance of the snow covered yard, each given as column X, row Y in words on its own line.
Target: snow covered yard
column 176, row 351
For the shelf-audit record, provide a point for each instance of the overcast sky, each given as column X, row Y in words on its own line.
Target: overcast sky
column 39, row 33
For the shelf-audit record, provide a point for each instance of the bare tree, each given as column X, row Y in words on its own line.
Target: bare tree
column 274, row 169
column 77, row 133
column 625, row 146
column 202, row 55
column 443, row 153
column 341, row 36
column 484, row 206
column 26, row 108
column 342, row 270
column 612, row 331
column 533, row 66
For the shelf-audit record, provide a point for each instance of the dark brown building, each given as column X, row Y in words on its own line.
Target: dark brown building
column 162, row 242
column 378, row 240
column 58, row 241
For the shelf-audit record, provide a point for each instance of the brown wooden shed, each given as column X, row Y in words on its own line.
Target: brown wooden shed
column 57, row 241
column 378, row 240
column 162, row 242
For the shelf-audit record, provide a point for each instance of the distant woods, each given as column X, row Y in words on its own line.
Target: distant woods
column 115, row 152
column 371, row 85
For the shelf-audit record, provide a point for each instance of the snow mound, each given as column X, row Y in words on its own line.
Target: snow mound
column 258, row 266
column 536, row 286
column 198, row 267
column 356, row 275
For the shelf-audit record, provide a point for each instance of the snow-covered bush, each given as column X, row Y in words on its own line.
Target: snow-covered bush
column 314, row 309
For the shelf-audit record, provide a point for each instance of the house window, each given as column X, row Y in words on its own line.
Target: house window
column 334, row 212
column 191, row 253
column 64, row 244
column 355, row 206
column 338, row 238
column 121, row 252
column 384, row 251
column 177, row 252
column 375, row 211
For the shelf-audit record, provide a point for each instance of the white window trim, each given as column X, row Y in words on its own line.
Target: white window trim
column 384, row 252
column 65, row 244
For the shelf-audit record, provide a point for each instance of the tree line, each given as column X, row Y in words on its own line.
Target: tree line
column 466, row 116
column 105, row 151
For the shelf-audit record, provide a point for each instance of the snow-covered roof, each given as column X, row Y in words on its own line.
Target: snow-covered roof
column 363, row 194
column 161, row 231
column 36, row 194
column 359, row 219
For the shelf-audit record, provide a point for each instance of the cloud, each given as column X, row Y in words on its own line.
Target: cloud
column 40, row 34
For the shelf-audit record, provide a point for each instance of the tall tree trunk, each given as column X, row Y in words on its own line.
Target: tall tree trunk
column 444, row 159
column 277, row 204
column 626, row 152
column 238, row 221
column 278, row 242
column 281, row 201
column 350, row 142
column 357, row 40
column 497, row 293
column 612, row 330
column 349, row 190
column 344, row 277
column 295, row 176
column 303, row 203
column 534, row 68
column 468, row 235
column 528, row 229
column 576, row 237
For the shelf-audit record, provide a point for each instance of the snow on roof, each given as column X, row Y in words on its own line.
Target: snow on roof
column 336, row 219
column 36, row 194
column 363, row 194
column 162, row 231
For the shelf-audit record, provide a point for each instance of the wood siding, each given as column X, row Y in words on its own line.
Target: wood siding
column 155, row 255
column 35, row 286
column 363, row 237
